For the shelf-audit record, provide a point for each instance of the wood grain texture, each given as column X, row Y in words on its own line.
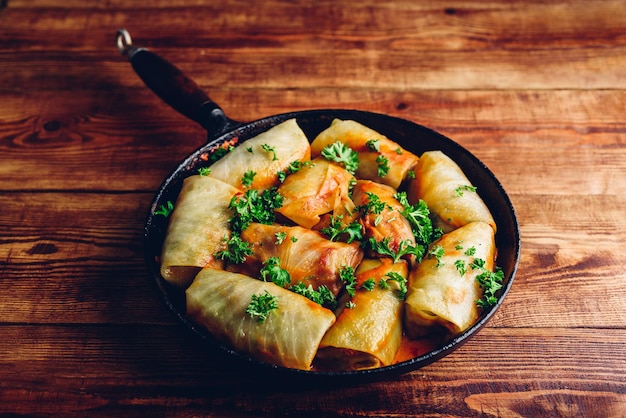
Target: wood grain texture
column 534, row 89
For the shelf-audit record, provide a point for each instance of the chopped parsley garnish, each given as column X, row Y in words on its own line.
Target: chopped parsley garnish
column 219, row 153
column 459, row 190
column 248, row 178
column 383, row 165
column 374, row 205
column 373, row 145
column 270, row 149
column 165, row 210
column 341, row 153
column 250, row 150
column 490, row 282
column 322, row 296
column 470, row 251
column 272, row 272
column 350, row 305
column 399, row 279
column 261, row 305
column 280, row 237
column 236, row 250
column 436, row 252
column 292, row 168
column 460, row 266
column 346, row 274
column 405, row 247
column 418, row 216
column 204, row 171
column 252, row 207
column 336, row 230
column 369, row 284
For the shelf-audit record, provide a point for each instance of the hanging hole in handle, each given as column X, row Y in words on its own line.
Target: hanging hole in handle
column 124, row 41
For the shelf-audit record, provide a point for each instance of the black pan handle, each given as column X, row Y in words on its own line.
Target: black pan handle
column 174, row 87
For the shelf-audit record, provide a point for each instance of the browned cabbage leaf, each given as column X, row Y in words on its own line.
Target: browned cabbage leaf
column 356, row 136
column 307, row 255
column 316, row 189
column 369, row 334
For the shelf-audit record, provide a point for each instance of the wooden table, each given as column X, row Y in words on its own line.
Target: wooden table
column 535, row 89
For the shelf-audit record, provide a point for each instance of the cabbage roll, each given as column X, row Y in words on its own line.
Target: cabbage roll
column 265, row 155
column 314, row 190
column 386, row 221
column 382, row 151
column 307, row 255
column 443, row 291
column 447, row 192
column 369, row 334
column 290, row 335
column 196, row 229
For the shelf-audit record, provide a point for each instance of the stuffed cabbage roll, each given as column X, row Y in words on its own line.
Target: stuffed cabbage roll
column 196, row 229
column 443, row 290
column 315, row 189
column 382, row 217
column 265, row 155
column 447, row 192
column 368, row 334
column 375, row 151
column 307, row 255
column 290, row 334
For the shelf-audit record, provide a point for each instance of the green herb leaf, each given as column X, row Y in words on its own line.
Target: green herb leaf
column 248, row 178
column 373, row 145
column 405, row 247
column 459, row 190
column 460, row 266
column 369, row 284
column 437, row 252
column 383, row 165
column 271, row 271
column 347, row 276
column 204, row 171
column 489, row 281
column 236, row 250
column 280, row 237
column 261, row 305
column 341, row 153
column 165, row 210
column 270, row 149
column 322, row 296
column 252, row 207
column 336, row 230
column 400, row 281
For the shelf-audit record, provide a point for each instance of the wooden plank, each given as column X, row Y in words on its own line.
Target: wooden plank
column 43, row 134
column 157, row 360
column 460, row 50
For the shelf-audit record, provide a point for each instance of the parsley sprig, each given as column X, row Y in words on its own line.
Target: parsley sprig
column 336, row 230
column 341, row 153
column 490, row 282
column 418, row 216
column 254, row 207
column 322, row 296
column 272, row 272
column 236, row 250
column 262, row 305
column 405, row 247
